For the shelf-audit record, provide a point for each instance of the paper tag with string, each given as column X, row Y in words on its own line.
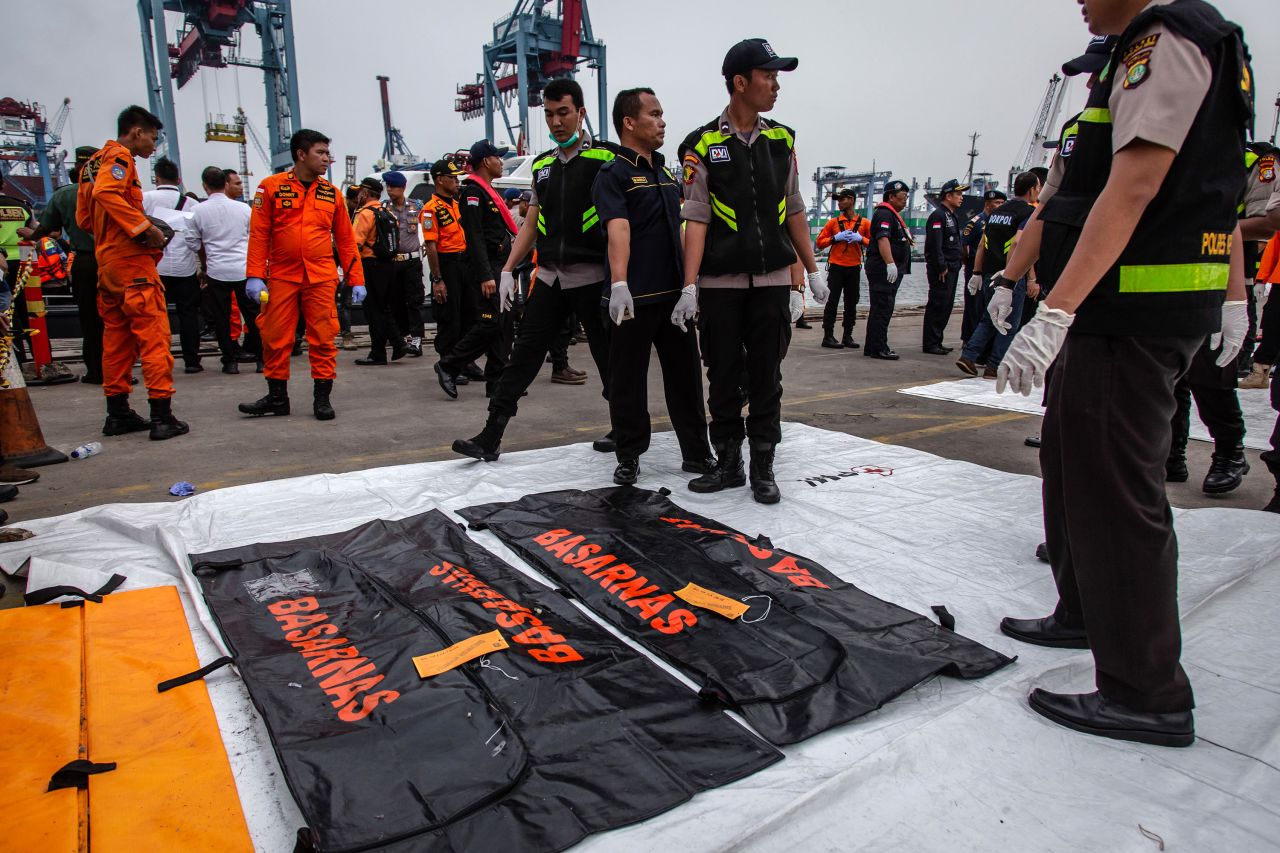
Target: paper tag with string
column 700, row 596
column 459, row 653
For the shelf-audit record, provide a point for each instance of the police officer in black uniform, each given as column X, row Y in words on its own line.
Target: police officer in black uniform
column 1138, row 237
column 489, row 229
column 564, row 224
column 972, row 236
column 888, row 260
column 745, row 224
column 943, row 257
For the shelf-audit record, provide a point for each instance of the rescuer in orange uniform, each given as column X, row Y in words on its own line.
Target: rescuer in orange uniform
column 131, row 301
column 846, row 235
column 299, row 222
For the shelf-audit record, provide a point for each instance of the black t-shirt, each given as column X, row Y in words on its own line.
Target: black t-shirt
column 646, row 195
column 1002, row 226
column 886, row 222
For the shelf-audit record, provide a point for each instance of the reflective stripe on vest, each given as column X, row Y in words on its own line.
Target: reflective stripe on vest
column 1173, row 278
column 725, row 212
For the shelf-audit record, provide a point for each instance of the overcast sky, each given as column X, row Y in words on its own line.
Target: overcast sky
column 901, row 83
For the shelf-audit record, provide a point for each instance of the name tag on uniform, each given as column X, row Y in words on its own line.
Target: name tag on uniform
column 639, row 179
column 543, row 173
column 718, row 153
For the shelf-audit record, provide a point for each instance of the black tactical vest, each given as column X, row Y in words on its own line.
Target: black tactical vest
column 747, row 232
column 1171, row 277
column 569, row 229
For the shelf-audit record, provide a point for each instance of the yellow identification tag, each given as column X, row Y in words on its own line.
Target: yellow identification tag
column 459, row 653
column 700, row 596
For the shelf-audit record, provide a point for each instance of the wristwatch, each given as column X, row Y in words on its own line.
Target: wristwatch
column 435, row 279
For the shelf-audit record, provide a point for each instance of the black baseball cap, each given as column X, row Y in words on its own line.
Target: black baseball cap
column 750, row 54
column 846, row 192
column 445, row 166
column 994, row 195
column 1094, row 58
column 953, row 186
column 895, row 187
column 84, row 152
column 373, row 185
column 484, row 148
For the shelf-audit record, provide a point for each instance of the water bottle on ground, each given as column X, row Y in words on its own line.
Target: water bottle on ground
column 88, row 449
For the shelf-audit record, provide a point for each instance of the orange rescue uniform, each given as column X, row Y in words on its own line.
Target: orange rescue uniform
column 442, row 224
column 365, row 227
column 1269, row 268
column 292, row 237
column 135, row 315
column 845, row 254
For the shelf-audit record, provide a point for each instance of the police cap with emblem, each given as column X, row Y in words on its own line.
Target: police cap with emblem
column 443, row 167
column 953, row 186
column 895, row 187
column 994, row 195
column 750, row 54
column 484, row 148
column 1094, row 59
column 846, row 192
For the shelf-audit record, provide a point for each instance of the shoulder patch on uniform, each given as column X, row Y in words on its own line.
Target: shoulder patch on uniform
column 1267, row 169
column 473, row 201
column 117, row 172
column 1137, row 61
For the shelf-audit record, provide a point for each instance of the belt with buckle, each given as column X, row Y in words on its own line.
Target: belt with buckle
column 407, row 256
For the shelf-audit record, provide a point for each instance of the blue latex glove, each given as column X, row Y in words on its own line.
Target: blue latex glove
column 255, row 287
column 845, row 236
column 358, row 294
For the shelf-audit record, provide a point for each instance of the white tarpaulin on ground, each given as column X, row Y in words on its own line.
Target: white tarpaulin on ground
column 1255, row 403
column 948, row 766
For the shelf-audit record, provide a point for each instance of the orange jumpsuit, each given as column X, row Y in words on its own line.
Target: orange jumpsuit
column 135, row 316
column 292, row 236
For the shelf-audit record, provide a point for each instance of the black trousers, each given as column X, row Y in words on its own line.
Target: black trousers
column 20, row 320
column 942, row 301
column 974, row 307
column 883, row 296
column 450, row 313
column 1108, row 525
column 184, row 292
column 490, row 336
column 343, row 300
column 84, row 289
column 544, row 314
column 219, row 295
column 407, row 296
column 846, row 281
column 745, row 330
column 377, row 306
column 629, row 347
column 1214, row 390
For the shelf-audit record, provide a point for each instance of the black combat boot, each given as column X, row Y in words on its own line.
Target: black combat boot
column 829, row 338
column 486, row 446
column 122, row 419
column 275, row 403
column 163, row 423
column 847, row 341
column 1175, row 468
column 320, row 400
column 1273, row 466
column 1226, row 472
column 763, row 487
column 728, row 471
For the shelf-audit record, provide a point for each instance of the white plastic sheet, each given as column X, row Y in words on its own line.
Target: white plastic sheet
column 948, row 766
column 1255, row 404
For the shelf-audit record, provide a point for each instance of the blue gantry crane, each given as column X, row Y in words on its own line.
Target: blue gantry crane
column 530, row 47
column 210, row 37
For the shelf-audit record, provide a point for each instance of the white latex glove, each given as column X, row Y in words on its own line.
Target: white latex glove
column 818, row 286
column 975, row 284
column 686, row 307
column 856, row 238
column 620, row 305
column 1033, row 350
column 506, row 291
column 797, row 305
column 1235, row 323
column 1001, row 304
column 1260, row 294
column 891, row 273
column 255, row 287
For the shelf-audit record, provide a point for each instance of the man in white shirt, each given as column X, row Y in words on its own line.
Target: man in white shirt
column 220, row 230
column 178, row 266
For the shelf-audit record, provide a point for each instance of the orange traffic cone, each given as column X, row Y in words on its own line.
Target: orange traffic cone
column 20, row 437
